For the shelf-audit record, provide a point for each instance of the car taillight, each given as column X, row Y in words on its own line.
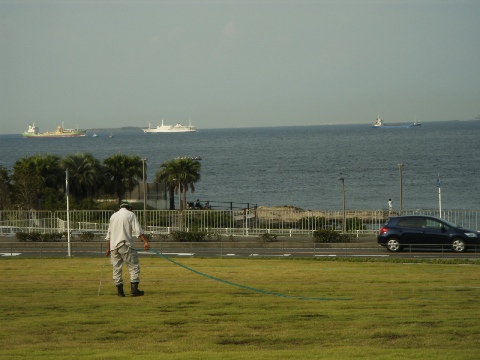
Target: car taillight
column 383, row 230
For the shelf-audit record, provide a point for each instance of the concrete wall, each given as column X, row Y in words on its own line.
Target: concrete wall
column 156, row 195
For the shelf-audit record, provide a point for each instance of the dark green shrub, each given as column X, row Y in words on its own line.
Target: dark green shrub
column 22, row 236
column 188, row 236
column 268, row 237
column 162, row 237
column 36, row 236
column 86, row 236
column 51, row 237
column 329, row 236
column 33, row 236
column 213, row 237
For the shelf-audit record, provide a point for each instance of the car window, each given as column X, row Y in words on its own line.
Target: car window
column 422, row 223
column 408, row 223
column 432, row 224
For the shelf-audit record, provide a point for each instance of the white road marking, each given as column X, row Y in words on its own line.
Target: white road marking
column 369, row 255
column 178, row 254
column 284, row 255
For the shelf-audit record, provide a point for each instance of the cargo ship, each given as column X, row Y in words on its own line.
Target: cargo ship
column 60, row 132
column 379, row 124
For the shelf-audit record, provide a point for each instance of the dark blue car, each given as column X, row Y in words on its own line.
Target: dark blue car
column 425, row 231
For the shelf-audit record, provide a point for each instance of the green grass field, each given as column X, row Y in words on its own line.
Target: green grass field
column 52, row 309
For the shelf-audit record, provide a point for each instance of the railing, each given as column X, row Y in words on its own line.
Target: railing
column 246, row 222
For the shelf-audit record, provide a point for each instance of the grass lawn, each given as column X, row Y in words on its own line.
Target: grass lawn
column 52, row 309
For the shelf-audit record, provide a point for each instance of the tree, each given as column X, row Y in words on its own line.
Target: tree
column 85, row 175
column 50, row 170
column 179, row 175
column 5, row 189
column 37, row 181
column 26, row 184
column 122, row 174
column 166, row 174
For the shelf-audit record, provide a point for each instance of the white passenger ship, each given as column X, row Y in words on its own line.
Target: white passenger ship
column 178, row 128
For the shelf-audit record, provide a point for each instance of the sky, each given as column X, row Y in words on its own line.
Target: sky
column 231, row 64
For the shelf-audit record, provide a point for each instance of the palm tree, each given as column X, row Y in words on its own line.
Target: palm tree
column 122, row 174
column 166, row 175
column 49, row 168
column 179, row 175
column 85, row 175
column 37, row 180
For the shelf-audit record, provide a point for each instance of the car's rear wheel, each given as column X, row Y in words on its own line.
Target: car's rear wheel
column 458, row 245
column 393, row 245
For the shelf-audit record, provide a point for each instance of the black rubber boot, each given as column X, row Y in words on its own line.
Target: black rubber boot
column 135, row 291
column 120, row 291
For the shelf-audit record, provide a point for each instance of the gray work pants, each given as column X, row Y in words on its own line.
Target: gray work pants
column 125, row 254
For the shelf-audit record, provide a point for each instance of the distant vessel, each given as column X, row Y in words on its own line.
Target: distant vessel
column 60, row 132
column 416, row 123
column 378, row 124
column 178, row 128
column 94, row 135
column 188, row 157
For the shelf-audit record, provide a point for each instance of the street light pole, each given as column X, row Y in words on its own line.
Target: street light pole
column 439, row 196
column 68, row 213
column 344, row 227
column 400, row 166
column 180, row 220
column 144, row 196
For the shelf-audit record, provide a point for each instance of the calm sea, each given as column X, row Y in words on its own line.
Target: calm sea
column 300, row 166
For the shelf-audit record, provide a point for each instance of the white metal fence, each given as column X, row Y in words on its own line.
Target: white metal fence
column 246, row 222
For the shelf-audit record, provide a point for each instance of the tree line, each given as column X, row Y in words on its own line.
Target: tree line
column 39, row 182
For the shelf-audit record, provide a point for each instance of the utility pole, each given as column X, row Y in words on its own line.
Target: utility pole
column 144, row 196
column 344, row 225
column 400, row 166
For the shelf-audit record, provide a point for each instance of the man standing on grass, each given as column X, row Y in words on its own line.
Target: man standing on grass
column 123, row 226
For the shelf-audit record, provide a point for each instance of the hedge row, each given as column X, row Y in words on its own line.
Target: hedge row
column 39, row 237
column 330, row 236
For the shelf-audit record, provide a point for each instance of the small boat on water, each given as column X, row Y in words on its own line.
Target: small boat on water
column 189, row 157
column 416, row 123
column 379, row 124
column 60, row 132
column 94, row 135
column 178, row 128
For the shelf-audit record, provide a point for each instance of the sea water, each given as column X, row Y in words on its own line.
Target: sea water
column 301, row 165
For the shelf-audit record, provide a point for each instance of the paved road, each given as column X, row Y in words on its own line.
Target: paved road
column 229, row 250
